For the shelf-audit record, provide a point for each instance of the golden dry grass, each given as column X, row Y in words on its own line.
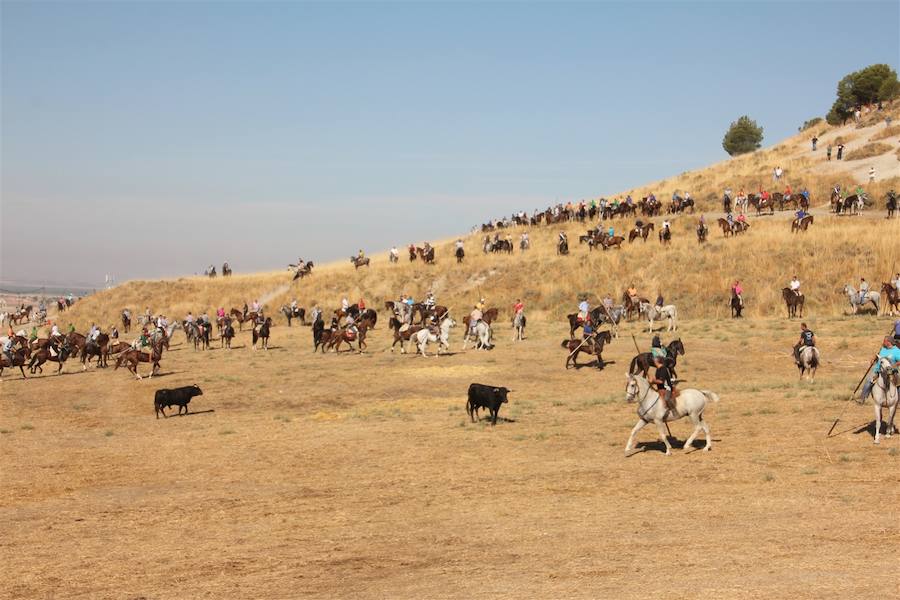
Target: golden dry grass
column 360, row 476
column 887, row 132
column 868, row 151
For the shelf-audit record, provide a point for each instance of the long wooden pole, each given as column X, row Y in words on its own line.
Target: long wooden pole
column 833, row 425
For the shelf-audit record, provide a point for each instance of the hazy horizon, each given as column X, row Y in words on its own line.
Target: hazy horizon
column 147, row 140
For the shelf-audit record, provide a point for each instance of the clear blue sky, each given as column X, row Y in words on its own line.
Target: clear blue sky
column 256, row 132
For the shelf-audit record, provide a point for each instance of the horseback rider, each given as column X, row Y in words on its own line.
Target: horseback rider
column 800, row 215
column 220, row 312
column 659, row 300
column 888, row 350
column 395, row 254
column 142, row 341
column 632, row 294
column 350, row 325
column 114, row 333
column 665, row 227
column 475, row 318
column 737, row 290
column 795, row 286
column 807, row 339
column 863, row 290
column 525, row 242
column 787, row 192
column 518, row 307
column 608, row 303
column 583, row 309
column 663, row 381
column 294, row 306
column 189, row 319
column 246, row 310
column 360, row 255
column 255, row 306
column 657, row 350
column 430, row 301
column 588, row 330
column 459, row 244
column 9, row 347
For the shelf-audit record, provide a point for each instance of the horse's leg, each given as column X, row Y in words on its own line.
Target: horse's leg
column 877, row 423
column 660, row 425
column 695, row 419
column 640, row 425
column 890, row 420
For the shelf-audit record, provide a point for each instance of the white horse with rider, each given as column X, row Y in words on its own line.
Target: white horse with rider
column 656, row 313
column 425, row 336
column 809, row 362
column 859, row 300
column 481, row 334
column 885, row 395
column 518, row 323
column 652, row 409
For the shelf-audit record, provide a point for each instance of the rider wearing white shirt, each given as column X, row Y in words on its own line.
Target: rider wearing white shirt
column 795, row 285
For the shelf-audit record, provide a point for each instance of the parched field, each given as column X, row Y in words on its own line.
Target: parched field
column 361, row 476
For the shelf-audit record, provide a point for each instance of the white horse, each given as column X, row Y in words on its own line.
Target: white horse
column 809, row 362
column 482, row 336
column 884, row 395
column 519, row 325
column 668, row 312
column 652, row 408
column 424, row 336
column 613, row 316
column 856, row 302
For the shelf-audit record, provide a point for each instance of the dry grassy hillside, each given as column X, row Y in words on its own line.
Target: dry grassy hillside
column 834, row 252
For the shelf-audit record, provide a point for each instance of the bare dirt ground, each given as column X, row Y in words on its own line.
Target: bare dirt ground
column 304, row 475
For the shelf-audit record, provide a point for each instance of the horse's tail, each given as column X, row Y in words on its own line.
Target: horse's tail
column 710, row 395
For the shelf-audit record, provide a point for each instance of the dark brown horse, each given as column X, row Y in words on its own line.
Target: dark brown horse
column 643, row 361
column 227, row 334
column 702, row 233
column 427, row 256
column 76, row 343
column 402, row 336
column 793, row 302
column 20, row 356
column 665, row 236
column 98, row 349
column 803, row 224
column 642, row 231
column 261, row 334
column 593, row 345
column 632, row 307
column 131, row 358
column 892, row 297
column 736, row 306
column 44, row 354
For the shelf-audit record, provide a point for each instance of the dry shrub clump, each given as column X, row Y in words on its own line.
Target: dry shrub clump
column 868, row 151
column 887, row 132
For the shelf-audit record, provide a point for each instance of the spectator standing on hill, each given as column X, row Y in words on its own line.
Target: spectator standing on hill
column 840, row 152
column 828, row 152
column 872, row 174
column 815, row 140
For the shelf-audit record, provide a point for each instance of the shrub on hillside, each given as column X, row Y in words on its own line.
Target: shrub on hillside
column 866, row 86
column 743, row 136
column 810, row 123
column 868, row 151
column 886, row 133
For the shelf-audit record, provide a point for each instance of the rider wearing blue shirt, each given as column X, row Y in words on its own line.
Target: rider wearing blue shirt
column 889, row 351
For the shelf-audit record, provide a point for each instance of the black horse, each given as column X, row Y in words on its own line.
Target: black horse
column 460, row 255
column 736, row 306
column 643, row 361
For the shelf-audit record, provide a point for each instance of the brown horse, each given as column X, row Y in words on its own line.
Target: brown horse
column 19, row 358
column 76, row 343
column 643, row 232
column 131, row 358
column 488, row 316
column 98, row 349
column 702, row 233
column 44, row 354
column 261, row 334
column 801, row 224
column 615, row 240
column 665, row 236
column 726, row 227
column 437, row 311
column 793, row 302
column 241, row 319
column 401, row 336
column 346, row 336
column 632, row 307
column 892, row 296
column 593, row 345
